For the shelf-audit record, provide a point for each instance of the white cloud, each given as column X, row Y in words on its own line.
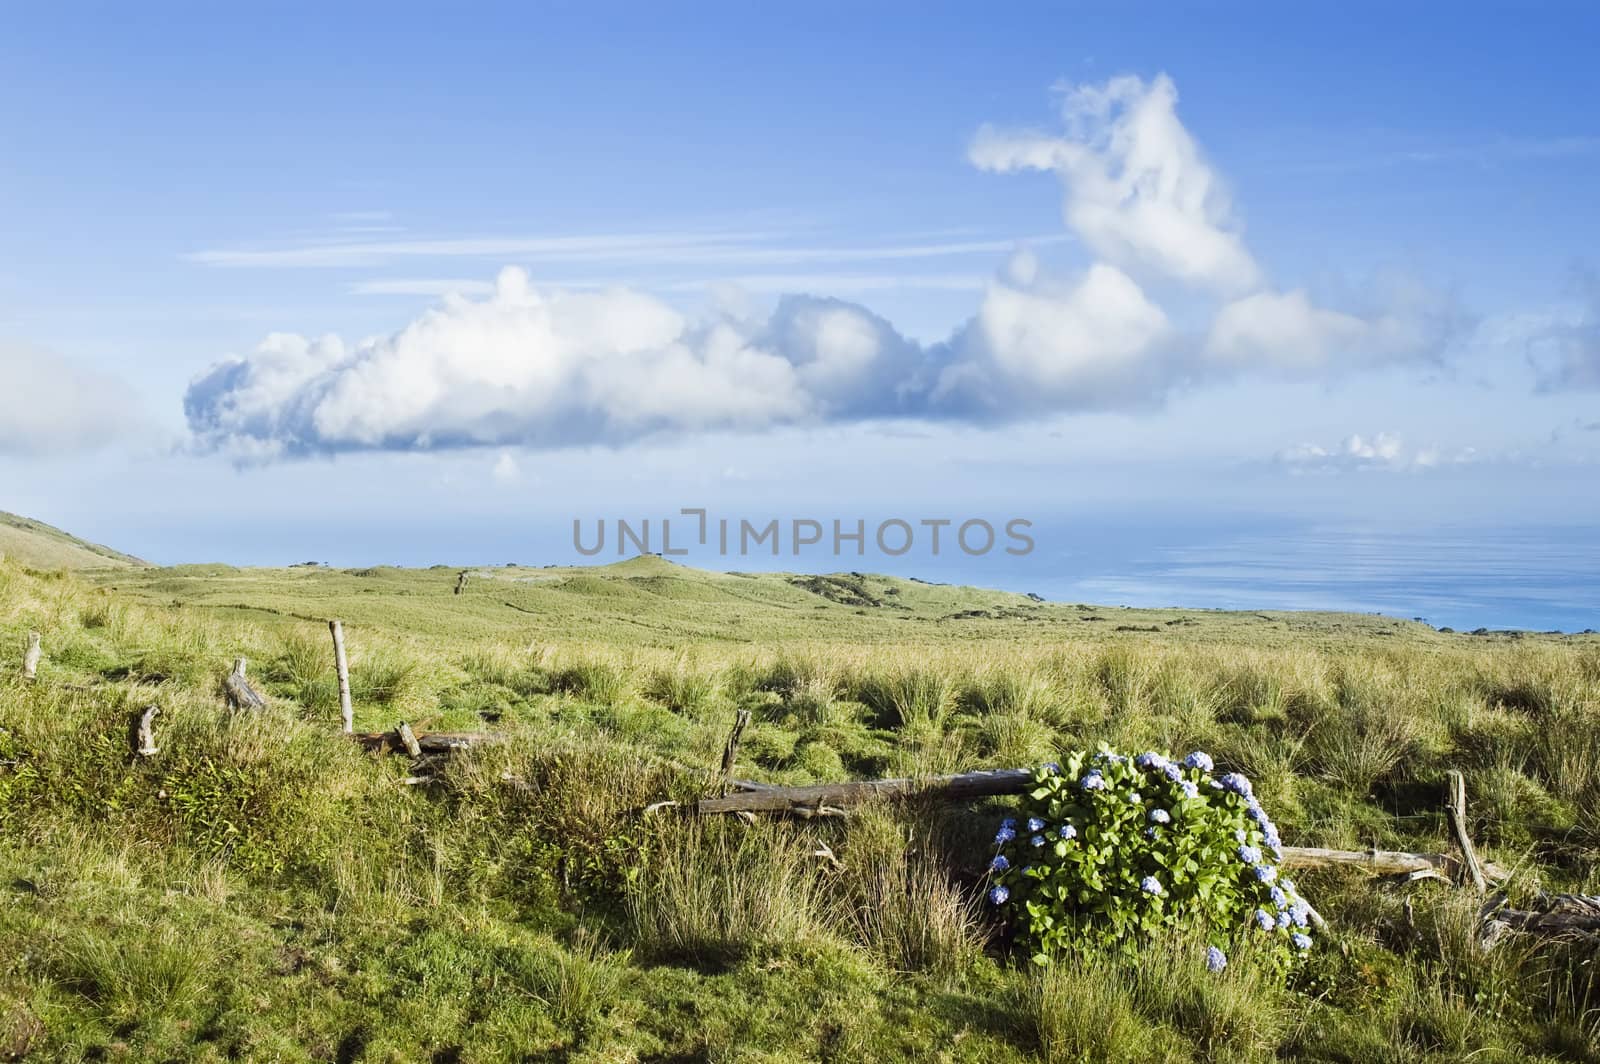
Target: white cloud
column 527, row 366
column 1039, row 344
column 1284, row 329
column 1565, row 348
column 1138, row 190
column 51, row 406
column 1383, row 452
column 731, row 248
column 506, row 469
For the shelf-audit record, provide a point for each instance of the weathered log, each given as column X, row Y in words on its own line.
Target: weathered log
column 239, row 693
column 30, row 658
column 1563, row 914
column 816, row 798
column 434, row 743
column 758, row 798
column 147, row 732
column 342, row 667
column 1383, row 862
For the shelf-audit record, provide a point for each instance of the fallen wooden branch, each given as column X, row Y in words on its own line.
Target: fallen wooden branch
column 239, row 693
column 432, row 743
column 30, row 657
column 1562, row 915
column 830, row 799
column 1455, row 809
column 1385, row 862
column 759, row 798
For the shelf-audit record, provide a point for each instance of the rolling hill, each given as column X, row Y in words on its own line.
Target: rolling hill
column 41, row 546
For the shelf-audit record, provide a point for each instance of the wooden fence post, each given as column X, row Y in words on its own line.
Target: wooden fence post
column 147, row 733
column 346, row 714
column 30, row 659
column 408, row 739
column 730, row 752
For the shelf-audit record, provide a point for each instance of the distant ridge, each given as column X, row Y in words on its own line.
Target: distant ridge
column 42, row 546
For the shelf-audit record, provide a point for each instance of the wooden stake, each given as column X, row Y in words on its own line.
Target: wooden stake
column 147, row 733
column 730, row 752
column 346, row 713
column 238, row 690
column 1456, row 813
column 30, row 659
column 408, row 739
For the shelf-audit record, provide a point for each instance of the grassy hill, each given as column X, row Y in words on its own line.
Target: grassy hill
column 263, row 889
column 41, row 546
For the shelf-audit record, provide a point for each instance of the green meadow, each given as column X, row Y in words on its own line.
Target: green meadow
column 264, row 889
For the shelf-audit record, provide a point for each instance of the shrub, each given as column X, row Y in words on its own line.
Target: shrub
column 1112, row 850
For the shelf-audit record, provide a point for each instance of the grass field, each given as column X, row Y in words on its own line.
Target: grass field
column 264, row 890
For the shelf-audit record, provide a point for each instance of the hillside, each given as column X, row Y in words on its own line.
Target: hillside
column 650, row 602
column 41, row 546
column 261, row 888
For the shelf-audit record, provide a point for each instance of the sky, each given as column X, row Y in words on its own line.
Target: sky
column 1243, row 305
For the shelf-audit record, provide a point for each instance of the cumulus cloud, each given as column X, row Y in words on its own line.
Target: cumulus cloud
column 51, row 406
column 522, row 365
column 543, row 368
column 1138, row 190
column 1383, row 452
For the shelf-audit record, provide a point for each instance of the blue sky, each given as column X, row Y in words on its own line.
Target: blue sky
column 1162, row 278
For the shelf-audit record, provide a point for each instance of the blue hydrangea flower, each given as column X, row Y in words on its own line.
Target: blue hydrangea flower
column 1009, row 822
column 1093, row 781
column 1279, row 898
column 999, row 864
column 1150, row 760
column 998, row 896
column 1266, row 873
column 1035, row 824
column 1300, row 941
column 1160, row 816
column 1172, row 771
column 1284, row 920
column 1189, row 789
column 1052, row 769
column 1200, row 760
column 1240, row 835
column 1106, row 757
column 1004, row 835
column 1236, row 783
column 1300, row 912
column 1151, row 885
column 1249, row 855
column 1036, row 842
column 1150, row 833
column 1135, row 798
column 1067, row 831
column 1264, row 920
column 1216, row 960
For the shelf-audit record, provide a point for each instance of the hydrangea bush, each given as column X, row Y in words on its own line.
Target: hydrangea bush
column 1109, row 849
